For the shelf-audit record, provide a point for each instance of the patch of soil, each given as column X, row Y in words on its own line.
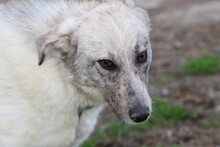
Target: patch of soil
column 192, row 91
column 181, row 135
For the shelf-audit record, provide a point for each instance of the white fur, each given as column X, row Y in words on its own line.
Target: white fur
column 38, row 106
column 37, row 109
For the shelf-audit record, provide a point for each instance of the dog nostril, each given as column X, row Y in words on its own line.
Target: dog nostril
column 139, row 114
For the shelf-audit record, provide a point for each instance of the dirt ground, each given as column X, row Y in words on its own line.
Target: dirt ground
column 181, row 29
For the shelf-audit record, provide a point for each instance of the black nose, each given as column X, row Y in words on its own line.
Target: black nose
column 139, row 114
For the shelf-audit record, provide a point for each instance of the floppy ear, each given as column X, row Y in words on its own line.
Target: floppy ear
column 127, row 2
column 58, row 41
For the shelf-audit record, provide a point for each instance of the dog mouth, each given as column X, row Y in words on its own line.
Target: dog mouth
column 130, row 109
column 135, row 115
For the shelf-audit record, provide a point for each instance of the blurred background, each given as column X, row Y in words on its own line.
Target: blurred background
column 184, row 81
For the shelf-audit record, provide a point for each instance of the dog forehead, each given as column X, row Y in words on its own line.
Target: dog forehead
column 115, row 29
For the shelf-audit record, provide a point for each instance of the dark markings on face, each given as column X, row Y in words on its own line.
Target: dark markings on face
column 139, row 45
column 118, row 100
column 116, row 107
column 119, row 95
column 112, row 77
column 131, row 91
column 99, row 72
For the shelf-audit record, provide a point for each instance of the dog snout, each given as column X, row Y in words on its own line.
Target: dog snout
column 139, row 114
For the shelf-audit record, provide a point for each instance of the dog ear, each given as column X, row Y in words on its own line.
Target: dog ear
column 127, row 2
column 58, row 41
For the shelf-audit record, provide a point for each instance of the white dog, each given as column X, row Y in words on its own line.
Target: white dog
column 62, row 60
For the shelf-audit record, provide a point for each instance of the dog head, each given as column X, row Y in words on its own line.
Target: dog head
column 108, row 52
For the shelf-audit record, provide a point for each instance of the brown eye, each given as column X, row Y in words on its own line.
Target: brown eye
column 142, row 57
column 107, row 64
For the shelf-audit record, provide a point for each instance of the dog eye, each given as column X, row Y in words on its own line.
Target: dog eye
column 107, row 64
column 142, row 57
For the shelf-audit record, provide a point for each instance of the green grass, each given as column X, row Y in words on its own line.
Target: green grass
column 213, row 122
column 207, row 64
column 89, row 143
column 167, row 112
column 160, row 80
